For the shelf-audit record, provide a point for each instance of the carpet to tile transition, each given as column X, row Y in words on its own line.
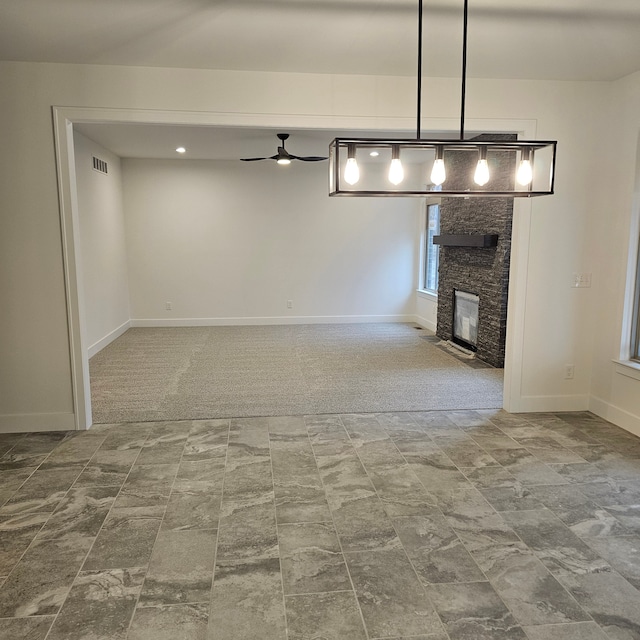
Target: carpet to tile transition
column 218, row 372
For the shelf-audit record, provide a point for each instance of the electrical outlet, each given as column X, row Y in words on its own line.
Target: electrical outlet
column 289, row 304
column 581, row 280
column 569, row 371
column 168, row 306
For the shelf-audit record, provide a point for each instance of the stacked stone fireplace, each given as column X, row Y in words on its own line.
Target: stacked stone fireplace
column 483, row 268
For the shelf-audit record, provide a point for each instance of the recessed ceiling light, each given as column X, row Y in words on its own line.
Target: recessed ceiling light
column 374, row 154
column 181, row 150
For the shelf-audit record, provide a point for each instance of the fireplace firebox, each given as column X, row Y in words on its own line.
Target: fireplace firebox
column 465, row 319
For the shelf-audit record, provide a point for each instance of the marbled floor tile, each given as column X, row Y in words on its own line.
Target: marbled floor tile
column 391, row 598
column 526, row 467
column 80, row 514
column 75, row 451
column 200, row 475
column 476, row 523
column 290, row 461
column 247, row 601
column 164, row 449
column 502, row 490
column 596, row 452
column 464, row 452
column 40, row 582
column 467, row 418
column 287, row 426
column 207, row 439
column 612, row 493
column 248, row 437
column 560, row 550
column 581, row 515
column 11, row 481
column 327, row 435
column 330, row 616
column 363, row 524
column 364, row 427
column 42, row 492
column 431, row 636
column 435, row 550
column 8, row 441
column 489, row 442
column 181, row 568
column 147, row 485
column 25, row 628
column 379, row 454
column 622, row 553
column 532, row 594
column 126, row 539
column 301, row 499
column 433, row 420
column 41, row 443
column 198, row 510
column 247, row 531
column 580, row 472
column 610, row 600
column 622, row 470
column 170, row 622
column 575, row 631
column 628, row 515
column 16, row 534
column 396, row 419
column 107, row 468
column 311, row 559
column 474, row 611
column 99, row 605
column 555, row 455
column 344, row 475
column 401, row 493
column 125, row 437
column 12, row 461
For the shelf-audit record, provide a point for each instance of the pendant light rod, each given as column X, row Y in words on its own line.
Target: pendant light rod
column 463, row 92
column 419, row 68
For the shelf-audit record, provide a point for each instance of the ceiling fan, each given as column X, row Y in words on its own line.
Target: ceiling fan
column 283, row 156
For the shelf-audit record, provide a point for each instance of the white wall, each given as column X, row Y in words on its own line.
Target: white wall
column 229, row 242
column 103, row 260
column 615, row 389
column 554, row 324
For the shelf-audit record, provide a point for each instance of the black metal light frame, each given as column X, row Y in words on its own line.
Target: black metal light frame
column 526, row 148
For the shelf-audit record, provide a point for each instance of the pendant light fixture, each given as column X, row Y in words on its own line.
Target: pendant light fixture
column 442, row 165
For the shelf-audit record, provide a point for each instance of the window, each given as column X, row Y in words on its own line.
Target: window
column 431, row 251
column 635, row 325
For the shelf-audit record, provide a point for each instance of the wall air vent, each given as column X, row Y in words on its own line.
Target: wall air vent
column 100, row 165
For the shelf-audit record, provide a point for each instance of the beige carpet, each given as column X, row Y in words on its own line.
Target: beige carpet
column 216, row 372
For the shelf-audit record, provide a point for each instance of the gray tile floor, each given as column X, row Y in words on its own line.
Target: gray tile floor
column 439, row 525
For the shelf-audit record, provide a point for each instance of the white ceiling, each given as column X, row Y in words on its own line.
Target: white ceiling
column 219, row 143
column 545, row 39
column 538, row 39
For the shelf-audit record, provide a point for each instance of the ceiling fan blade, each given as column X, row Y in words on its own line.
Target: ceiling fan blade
column 254, row 159
column 309, row 158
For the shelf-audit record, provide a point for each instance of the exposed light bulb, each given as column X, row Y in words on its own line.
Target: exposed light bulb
column 481, row 176
column 438, row 171
column 283, row 161
column 181, row 150
column 396, row 172
column 374, row 154
column 351, row 171
column 524, row 175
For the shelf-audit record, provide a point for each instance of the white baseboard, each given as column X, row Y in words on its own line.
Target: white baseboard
column 620, row 417
column 543, row 404
column 108, row 339
column 25, row 422
column 424, row 323
column 270, row 320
